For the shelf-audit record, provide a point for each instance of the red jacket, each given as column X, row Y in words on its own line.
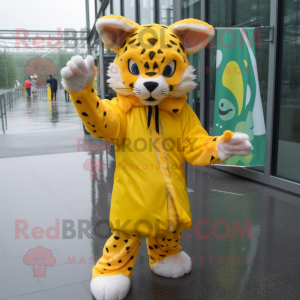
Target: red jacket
column 27, row 84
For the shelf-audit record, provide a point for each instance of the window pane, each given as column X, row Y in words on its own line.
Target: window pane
column 117, row 7
column 165, row 12
column 107, row 10
column 288, row 163
column 191, row 9
column 92, row 13
column 129, row 10
column 146, row 12
column 109, row 56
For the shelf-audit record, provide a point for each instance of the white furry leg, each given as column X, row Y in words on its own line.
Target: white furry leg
column 113, row 287
column 174, row 266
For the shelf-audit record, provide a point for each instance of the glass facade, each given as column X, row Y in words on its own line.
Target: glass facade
column 116, row 7
column 192, row 9
column 287, row 164
column 129, row 8
column 237, row 14
column 165, row 12
column 281, row 160
column 92, row 10
column 107, row 10
column 240, row 13
column 146, row 11
column 109, row 57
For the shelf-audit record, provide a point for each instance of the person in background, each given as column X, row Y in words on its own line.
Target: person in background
column 33, row 88
column 53, row 86
column 67, row 96
column 27, row 85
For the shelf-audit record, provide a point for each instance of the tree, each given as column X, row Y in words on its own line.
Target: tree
column 12, row 72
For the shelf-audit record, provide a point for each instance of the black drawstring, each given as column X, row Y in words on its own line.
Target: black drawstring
column 149, row 115
column 156, row 117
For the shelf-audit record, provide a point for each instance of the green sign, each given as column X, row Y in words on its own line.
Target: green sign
column 238, row 104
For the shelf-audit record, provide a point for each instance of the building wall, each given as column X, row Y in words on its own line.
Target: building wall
column 280, row 97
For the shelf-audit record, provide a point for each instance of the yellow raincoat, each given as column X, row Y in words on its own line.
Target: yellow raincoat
column 149, row 194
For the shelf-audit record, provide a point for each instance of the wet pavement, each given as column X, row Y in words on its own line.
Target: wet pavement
column 39, row 127
column 42, row 116
column 244, row 243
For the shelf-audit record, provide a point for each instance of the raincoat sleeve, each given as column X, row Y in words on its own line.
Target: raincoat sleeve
column 103, row 119
column 200, row 149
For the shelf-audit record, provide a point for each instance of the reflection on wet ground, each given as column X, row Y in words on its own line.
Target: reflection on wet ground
column 39, row 127
column 56, row 191
column 42, row 190
column 41, row 115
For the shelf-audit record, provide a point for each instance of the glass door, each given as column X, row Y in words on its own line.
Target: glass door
column 192, row 9
column 287, row 117
column 276, row 25
column 240, row 14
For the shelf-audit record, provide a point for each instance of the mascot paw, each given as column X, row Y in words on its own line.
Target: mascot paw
column 174, row 266
column 113, row 287
column 238, row 145
column 79, row 73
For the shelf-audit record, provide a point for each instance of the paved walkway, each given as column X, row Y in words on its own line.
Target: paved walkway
column 42, row 116
column 56, row 189
column 44, row 184
column 39, row 127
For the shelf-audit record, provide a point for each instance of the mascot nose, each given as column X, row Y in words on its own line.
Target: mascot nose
column 150, row 85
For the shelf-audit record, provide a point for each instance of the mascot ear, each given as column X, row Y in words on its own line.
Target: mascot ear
column 194, row 34
column 113, row 29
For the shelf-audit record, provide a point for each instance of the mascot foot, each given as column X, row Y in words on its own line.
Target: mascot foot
column 113, row 287
column 174, row 266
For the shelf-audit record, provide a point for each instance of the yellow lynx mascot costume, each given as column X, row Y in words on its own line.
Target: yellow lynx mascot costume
column 155, row 131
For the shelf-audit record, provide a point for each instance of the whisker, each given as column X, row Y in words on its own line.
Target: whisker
column 132, row 94
column 168, row 90
column 169, row 95
column 126, row 88
column 177, row 84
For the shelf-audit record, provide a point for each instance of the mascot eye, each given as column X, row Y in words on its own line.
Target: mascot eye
column 133, row 67
column 170, row 69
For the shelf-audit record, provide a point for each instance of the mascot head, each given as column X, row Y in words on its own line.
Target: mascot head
column 152, row 60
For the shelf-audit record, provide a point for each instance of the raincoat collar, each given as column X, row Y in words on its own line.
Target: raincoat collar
column 170, row 105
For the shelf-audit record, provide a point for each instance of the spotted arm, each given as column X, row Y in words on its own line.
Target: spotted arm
column 200, row 149
column 103, row 119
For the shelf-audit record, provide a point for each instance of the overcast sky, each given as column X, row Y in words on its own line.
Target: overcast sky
column 42, row 15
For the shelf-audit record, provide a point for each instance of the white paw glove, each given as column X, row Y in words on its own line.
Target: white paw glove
column 79, row 73
column 238, row 145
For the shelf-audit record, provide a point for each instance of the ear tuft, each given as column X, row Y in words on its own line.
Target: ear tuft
column 112, row 30
column 194, row 34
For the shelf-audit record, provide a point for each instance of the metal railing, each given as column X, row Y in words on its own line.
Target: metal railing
column 42, row 92
column 8, row 99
